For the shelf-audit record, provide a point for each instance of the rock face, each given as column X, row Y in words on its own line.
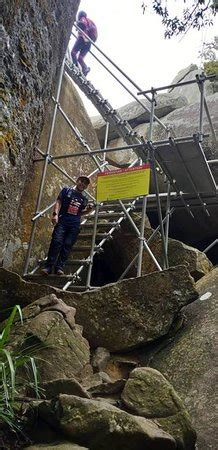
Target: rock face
column 15, row 291
column 185, row 122
column 64, row 386
column 60, row 446
column 148, row 394
column 100, row 358
column 99, row 425
column 50, row 324
column 135, row 114
column 196, row 262
column 36, row 38
column 188, row 361
column 122, row 315
column 64, row 141
column 191, row 91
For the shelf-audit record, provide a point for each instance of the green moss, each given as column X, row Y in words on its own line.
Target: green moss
column 211, row 68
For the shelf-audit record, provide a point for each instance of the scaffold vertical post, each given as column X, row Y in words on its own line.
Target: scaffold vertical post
column 167, row 215
column 141, row 237
column 152, row 160
column 89, row 273
column 46, row 162
column 105, row 142
column 200, row 80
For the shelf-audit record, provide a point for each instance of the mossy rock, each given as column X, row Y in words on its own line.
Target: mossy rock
column 147, row 393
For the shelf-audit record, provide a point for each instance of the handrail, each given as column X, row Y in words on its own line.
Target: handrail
column 123, row 73
column 210, row 246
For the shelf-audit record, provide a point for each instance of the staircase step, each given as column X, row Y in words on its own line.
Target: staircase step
column 52, row 277
column 89, row 235
column 115, row 205
column 84, row 248
column 100, row 225
column 103, row 215
column 74, row 262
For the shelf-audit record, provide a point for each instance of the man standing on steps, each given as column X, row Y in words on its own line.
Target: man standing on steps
column 70, row 205
column 82, row 44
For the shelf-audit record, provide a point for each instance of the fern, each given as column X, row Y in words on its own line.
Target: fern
column 10, row 382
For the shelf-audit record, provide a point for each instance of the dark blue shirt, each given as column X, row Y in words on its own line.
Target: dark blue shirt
column 72, row 203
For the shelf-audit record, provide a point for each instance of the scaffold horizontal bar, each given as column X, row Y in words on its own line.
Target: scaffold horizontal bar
column 183, row 83
column 212, row 162
column 121, row 148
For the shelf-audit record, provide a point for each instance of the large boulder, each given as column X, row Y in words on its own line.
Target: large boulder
column 58, row 386
column 36, row 38
column 125, row 314
column 147, row 393
column 183, row 73
column 57, row 446
column 60, row 349
column 190, row 91
column 98, row 425
column 120, row 159
column 135, row 114
column 15, row 291
column 185, row 122
column 188, row 361
column 130, row 313
column 196, row 262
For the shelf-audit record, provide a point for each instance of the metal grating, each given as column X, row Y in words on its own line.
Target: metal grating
column 186, row 167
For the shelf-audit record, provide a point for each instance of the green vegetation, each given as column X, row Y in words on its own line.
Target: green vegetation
column 11, row 383
column 195, row 14
column 211, row 68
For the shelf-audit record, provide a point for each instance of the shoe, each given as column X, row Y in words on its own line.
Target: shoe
column 59, row 272
column 46, row 271
column 86, row 71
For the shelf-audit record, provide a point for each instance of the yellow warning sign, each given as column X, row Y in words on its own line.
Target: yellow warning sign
column 123, row 183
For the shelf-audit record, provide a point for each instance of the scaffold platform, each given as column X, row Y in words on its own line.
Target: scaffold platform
column 186, row 167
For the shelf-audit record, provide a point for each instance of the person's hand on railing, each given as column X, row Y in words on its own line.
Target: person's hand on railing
column 89, row 207
column 54, row 219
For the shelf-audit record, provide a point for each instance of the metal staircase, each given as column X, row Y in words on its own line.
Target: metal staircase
column 113, row 214
column 100, row 226
column 107, row 112
column 110, row 216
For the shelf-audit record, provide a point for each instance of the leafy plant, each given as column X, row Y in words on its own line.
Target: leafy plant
column 10, row 382
column 195, row 14
column 211, row 68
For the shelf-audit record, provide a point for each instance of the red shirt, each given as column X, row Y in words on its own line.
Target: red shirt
column 89, row 27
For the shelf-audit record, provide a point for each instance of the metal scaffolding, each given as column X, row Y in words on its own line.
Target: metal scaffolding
column 180, row 159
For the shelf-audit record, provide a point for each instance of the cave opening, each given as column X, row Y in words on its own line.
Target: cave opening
column 110, row 264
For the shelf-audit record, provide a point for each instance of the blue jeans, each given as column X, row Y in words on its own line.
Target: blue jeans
column 63, row 237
